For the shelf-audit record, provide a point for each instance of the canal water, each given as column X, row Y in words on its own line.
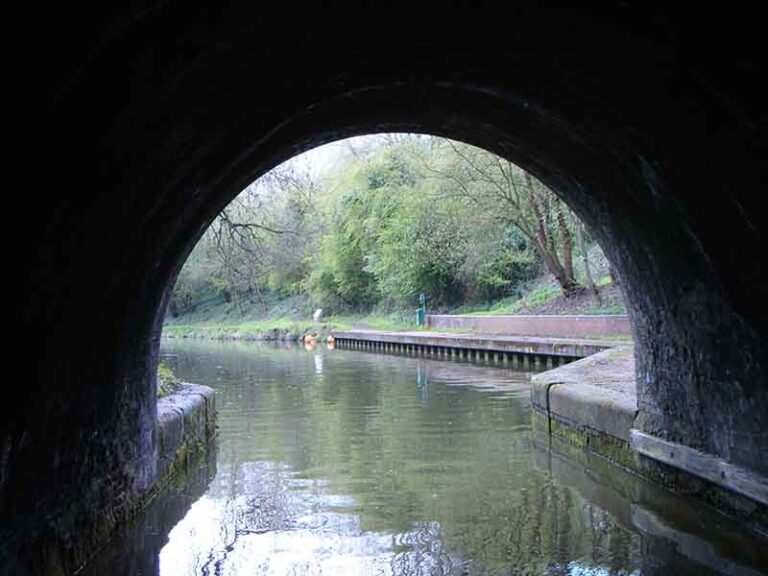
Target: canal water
column 345, row 462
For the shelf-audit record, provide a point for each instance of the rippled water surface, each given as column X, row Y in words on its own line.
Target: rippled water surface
column 346, row 462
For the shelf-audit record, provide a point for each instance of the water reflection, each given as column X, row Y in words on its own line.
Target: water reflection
column 678, row 536
column 135, row 550
column 285, row 528
column 342, row 462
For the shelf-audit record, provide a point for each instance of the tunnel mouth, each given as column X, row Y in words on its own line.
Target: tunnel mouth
column 372, row 146
column 165, row 129
column 675, row 298
column 607, row 183
column 569, row 161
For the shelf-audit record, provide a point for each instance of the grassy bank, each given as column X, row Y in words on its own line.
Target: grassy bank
column 285, row 328
column 288, row 320
column 545, row 297
column 266, row 329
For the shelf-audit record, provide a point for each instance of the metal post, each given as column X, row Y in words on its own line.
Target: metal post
column 421, row 312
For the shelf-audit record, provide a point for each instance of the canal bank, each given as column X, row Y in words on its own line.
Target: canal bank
column 527, row 351
column 587, row 396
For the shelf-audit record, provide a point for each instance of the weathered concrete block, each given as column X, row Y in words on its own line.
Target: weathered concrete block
column 612, row 368
column 597, row 408
column 170, row 434
column 597, row 392
column 540, row 392
column 184, row 418
column 208, row 409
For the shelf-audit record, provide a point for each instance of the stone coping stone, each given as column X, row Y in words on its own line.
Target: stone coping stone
column 186, row 389
column 596, row 392
column 183, row 417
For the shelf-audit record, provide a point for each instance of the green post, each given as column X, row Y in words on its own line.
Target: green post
column 421, row 313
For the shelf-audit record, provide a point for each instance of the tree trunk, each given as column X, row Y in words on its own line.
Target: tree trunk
column 587, row 270
column 260, row 297
column 612, row 274
column 567, row 247
column 545, row 245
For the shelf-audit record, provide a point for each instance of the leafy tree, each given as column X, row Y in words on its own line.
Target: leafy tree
column 359, row 217
column 495, row 186
column 403, row 214
column 422, row 250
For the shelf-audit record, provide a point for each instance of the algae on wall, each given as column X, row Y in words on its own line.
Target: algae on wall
column 167, row 381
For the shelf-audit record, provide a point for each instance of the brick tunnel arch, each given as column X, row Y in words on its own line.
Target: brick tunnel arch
column 178, row 108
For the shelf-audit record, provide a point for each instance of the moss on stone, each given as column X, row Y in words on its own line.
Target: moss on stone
column 167, row 381
column 68, row 557
column 540, row 422
column 600, row 443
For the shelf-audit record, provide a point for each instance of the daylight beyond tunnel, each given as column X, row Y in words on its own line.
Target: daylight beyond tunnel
column 651, row 132
column 359, row 228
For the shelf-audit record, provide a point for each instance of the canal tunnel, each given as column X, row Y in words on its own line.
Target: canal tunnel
column 157, row 116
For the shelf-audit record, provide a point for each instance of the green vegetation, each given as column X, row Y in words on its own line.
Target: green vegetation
column 287, row 329
column 399, row 215
column 277, row 329
column 378, row 321
column 167, row 380
column 544, row 297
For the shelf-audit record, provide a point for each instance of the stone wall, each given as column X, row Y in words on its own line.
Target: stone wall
column 186, row 422
column 555, row 326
